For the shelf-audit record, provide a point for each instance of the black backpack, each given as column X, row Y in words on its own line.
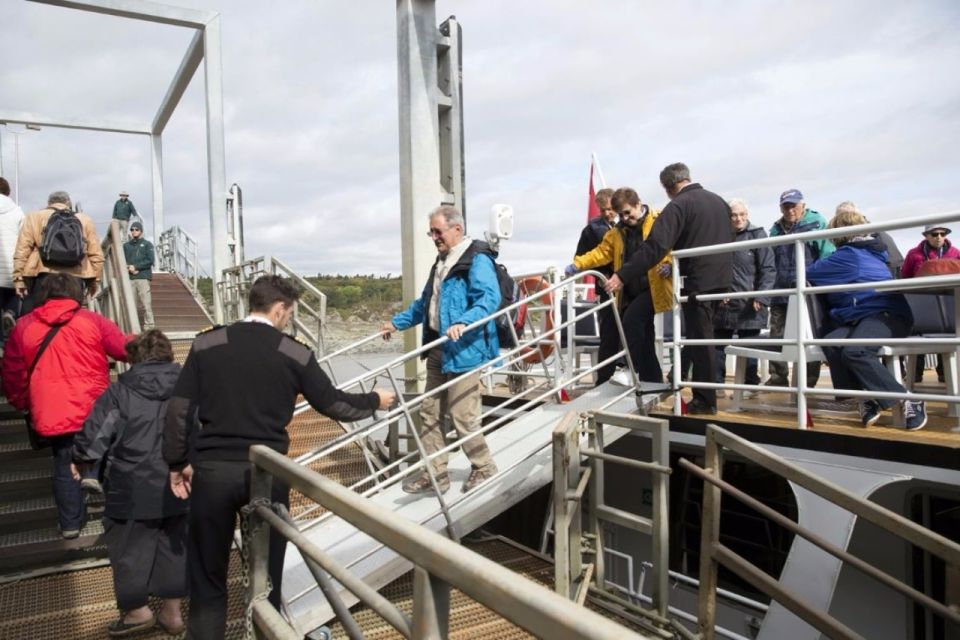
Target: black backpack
column 62, row 244
column 509, row 293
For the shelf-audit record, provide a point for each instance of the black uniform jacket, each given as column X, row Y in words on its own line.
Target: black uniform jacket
column 242, row 382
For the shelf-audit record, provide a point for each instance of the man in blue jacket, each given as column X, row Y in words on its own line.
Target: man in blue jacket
column 795, row 217
column 462, row 288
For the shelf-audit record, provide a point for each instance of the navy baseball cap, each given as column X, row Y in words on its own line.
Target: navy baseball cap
column 791, row 196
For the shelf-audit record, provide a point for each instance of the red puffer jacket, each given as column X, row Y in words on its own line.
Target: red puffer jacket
column 72, row 372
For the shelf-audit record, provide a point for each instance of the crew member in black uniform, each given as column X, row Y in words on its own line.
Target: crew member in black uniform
column 241, row 382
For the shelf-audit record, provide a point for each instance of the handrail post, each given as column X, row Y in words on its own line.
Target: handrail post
column 431, row 606
column 800, row 366
column 709, row 538
column 660, row 448
column 677, row 347
column 256, row 549
column 595, row 442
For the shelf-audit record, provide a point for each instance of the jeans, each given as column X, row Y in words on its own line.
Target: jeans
column 71, row 509
column 640, row 334
column 753, row 377
column 858, row 367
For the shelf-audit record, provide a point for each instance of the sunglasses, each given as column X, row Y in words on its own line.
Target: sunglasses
column 936, row 234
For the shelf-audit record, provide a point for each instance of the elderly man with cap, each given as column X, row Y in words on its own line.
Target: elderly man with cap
column 123, row 210
column 795, row 217
column 139, row 254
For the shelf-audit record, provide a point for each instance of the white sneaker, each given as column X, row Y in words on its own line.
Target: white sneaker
column 622, row 378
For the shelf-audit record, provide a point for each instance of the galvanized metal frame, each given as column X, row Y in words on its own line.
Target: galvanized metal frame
column 713, row 553
column 205, row 46
column 439, row 563
column 578, row 495
column 802, row 291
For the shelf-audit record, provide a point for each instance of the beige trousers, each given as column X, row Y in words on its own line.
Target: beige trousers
column 462, row 402
column 141, row 289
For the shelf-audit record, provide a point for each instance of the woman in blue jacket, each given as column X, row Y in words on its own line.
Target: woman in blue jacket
column 864, row 313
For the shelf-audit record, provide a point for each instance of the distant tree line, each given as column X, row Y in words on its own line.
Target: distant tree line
column 362, row 295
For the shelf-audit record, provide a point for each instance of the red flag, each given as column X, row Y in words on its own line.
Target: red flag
column 593, row 211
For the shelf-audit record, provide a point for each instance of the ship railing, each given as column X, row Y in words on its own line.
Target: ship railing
column 713, row 553
column 799, row 294
column 439, row 565
column 310, row 311
column 580, row 509
column 177, row 252
column 115, row 299
column 492, row 417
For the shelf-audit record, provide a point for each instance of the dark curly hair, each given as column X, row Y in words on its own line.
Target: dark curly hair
column 150, row 346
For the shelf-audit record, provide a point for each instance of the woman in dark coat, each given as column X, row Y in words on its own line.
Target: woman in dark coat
column 753, row 270
column 145, row 524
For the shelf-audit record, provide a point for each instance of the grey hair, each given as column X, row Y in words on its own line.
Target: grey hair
column 738, row 201
column 59, row 197
column 847, row 207
column 674, row 174
column 451, row 215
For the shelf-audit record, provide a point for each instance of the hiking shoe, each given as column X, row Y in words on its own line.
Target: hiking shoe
column 701, row 408
column 421, row 483
column 479, row 476
column 869, row 412
column 915, row 414
column 92, row 485
column 70, row 534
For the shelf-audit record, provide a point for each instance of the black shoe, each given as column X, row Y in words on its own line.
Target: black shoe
column 701, row 408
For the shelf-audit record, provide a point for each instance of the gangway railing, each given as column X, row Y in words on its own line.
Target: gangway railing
column 177, row 253
column 310, row 312
column 439, row 565
column 115, row 299
column 579, row 500
column 713, row 553
column 800, row 293
column 492, row 417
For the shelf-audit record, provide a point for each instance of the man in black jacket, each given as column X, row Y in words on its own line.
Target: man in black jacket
column 590, row 237
column 242, row 382
column 694, row 217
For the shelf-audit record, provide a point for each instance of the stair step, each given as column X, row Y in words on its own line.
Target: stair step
column 43, row 547
column 19, row 449
column 40, row 513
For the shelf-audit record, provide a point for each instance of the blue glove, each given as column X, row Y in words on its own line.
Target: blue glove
column 569, row 270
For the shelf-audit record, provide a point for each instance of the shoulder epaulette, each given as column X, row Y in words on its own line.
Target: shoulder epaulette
column 212, row 327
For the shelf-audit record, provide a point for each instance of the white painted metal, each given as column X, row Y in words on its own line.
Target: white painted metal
column 523, row 444
column 156, row 167
column 216, row 167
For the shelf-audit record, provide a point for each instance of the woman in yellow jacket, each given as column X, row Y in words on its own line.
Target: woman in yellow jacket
column 638, row 302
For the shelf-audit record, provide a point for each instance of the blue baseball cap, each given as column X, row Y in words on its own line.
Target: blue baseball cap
column 791, row 196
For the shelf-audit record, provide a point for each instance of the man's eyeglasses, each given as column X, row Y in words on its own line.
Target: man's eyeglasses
column 936, row 234
column 435, row 233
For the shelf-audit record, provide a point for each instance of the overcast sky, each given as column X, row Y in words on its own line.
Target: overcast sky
column 853, row 100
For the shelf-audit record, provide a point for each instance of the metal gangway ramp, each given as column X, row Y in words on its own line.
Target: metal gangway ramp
column 518, row 431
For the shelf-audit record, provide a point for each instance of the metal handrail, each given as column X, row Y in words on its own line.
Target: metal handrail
column 115, row 298
column 713, row 553
column 439, row 563
column 177, row 252
column 235, row 284
column 801, row 290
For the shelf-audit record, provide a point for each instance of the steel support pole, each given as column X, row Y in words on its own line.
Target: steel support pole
column 156, row 164
column 431, row 606
column 216, row 166
column 258, row 536
column 419, row 155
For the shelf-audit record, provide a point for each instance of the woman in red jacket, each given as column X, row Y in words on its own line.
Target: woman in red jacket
column 60, row 387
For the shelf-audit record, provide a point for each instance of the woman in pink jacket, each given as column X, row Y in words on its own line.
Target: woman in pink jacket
column 934, row 246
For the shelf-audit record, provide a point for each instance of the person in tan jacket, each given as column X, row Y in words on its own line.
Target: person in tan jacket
column 29, row 270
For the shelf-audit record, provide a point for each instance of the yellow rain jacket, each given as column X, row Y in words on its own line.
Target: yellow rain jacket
column 610, row 250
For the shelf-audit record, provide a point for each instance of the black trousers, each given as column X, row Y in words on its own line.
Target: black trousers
column 220, row 489
column 148, row 557
column 641, row 337
column 699, row 320
column 609, row 340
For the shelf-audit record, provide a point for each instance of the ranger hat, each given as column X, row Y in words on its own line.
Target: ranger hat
column 936, row 227
column 136, row 225
column 124, row 193
column 791, row 196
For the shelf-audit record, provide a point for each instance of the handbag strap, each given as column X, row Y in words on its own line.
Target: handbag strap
column 43, row 347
